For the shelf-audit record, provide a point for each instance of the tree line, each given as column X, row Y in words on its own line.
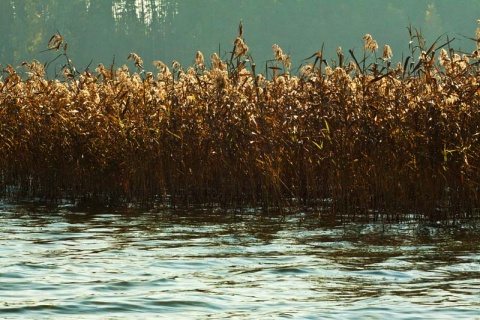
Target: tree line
column 107, row 31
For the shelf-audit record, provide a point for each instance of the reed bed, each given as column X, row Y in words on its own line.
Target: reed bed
column 357, row 137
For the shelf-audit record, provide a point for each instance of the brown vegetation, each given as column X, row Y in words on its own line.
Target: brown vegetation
column 364, row 139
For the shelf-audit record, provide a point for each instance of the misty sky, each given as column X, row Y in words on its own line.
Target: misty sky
column 104, row 30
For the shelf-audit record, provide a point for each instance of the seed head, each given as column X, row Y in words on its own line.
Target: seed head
column 241, row 47
column 399, row 67
column 370, row 44
column 217, row 62
column 351, row 66
column 280, row 56
column 136, row 59
column 475, row 54
column 478, row 34
column 443, row 59
column 199, row 61
column 176, row 64
column 387, row 53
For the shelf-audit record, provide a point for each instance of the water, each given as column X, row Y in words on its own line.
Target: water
column 70, row 264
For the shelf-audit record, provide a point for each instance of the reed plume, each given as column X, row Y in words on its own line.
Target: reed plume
column 349, row 140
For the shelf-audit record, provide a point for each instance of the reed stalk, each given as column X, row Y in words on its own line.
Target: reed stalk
column 356, row 139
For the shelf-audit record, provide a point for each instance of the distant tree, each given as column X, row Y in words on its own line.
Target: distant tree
column 433, row 25
column 99, row 41
column 459, row 20
column 7, row 50
column 98, row 30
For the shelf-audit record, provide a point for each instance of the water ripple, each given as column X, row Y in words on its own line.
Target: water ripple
column 65, row 264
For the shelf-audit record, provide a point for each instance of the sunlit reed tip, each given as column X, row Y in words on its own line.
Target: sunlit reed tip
column 199, row 61
column 370, row 44
column 136, row 59
column 387, row 52
column 241, row 47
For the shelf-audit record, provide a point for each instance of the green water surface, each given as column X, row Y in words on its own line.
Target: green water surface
column 61, row 263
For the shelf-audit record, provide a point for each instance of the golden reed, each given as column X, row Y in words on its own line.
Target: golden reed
column 362, row 139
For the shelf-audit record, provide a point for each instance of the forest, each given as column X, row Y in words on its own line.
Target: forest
column 106, row 31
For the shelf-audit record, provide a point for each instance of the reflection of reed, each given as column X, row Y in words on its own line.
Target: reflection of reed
column 361, row 138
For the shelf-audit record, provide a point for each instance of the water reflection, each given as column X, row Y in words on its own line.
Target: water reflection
column 62, row 262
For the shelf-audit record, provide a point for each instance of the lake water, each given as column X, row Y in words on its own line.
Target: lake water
column 66, row 263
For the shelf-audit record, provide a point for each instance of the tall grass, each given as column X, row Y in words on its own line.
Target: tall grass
column 358, row 137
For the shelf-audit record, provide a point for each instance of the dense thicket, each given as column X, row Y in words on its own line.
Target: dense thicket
column 363, row 137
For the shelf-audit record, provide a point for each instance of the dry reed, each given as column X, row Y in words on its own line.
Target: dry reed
column 362, row 140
